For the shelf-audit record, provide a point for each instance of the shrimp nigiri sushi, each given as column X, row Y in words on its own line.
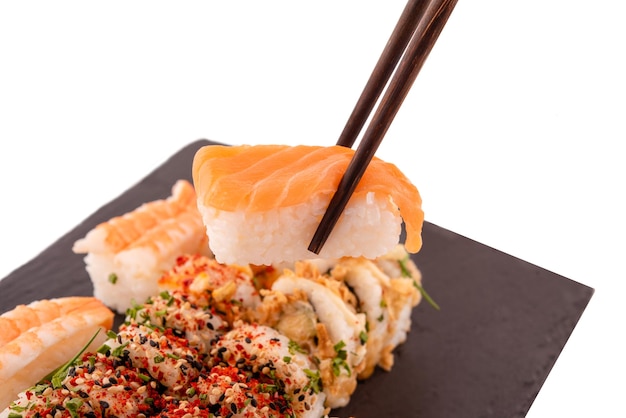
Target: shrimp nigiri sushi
column 262, row 204
column 127, row 254
column 43, row 335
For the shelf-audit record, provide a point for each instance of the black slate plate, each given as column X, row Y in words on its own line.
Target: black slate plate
column 503, row 322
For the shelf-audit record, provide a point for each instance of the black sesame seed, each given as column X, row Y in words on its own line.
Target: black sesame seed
column 301, row 398
column 248, row 340
column 210, row 326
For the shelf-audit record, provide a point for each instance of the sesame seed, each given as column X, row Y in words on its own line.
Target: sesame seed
column 116, row 389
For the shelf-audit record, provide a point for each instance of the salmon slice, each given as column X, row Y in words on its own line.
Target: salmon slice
column 262, row 178
column 62, row 328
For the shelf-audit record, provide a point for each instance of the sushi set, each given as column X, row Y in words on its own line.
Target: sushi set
column 480, row 342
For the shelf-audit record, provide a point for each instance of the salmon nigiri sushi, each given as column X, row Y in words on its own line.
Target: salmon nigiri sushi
column 262, row 204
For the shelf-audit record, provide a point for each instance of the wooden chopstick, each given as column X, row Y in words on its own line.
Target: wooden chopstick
column 411, row 15
column 423, row 35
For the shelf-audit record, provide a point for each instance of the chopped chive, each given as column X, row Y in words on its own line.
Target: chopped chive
column 426, row 296
column 144, row 377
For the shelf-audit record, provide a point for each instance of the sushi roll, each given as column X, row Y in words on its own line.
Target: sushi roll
column 127, row 254
column 405, row 293
column 228, row 289
column 262, row 204
column 64, row 327
column 166, row 357
column 273, row 359
column 228, row 391
column 200, row 325
column 97, row 386
column 317, row 308
column 387, row 303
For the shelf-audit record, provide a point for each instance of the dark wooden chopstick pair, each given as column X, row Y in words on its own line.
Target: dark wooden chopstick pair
column 412, row 40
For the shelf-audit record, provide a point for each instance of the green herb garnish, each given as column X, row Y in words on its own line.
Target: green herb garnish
column 407, row 273
column 144, row 377
column 119, row 350
column 339, row 362
column 112, row 278
column 72, row 405
column 294, row 347
column 315, row 381
column 426, row 296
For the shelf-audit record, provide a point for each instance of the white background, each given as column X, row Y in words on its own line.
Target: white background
column 514, row 126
